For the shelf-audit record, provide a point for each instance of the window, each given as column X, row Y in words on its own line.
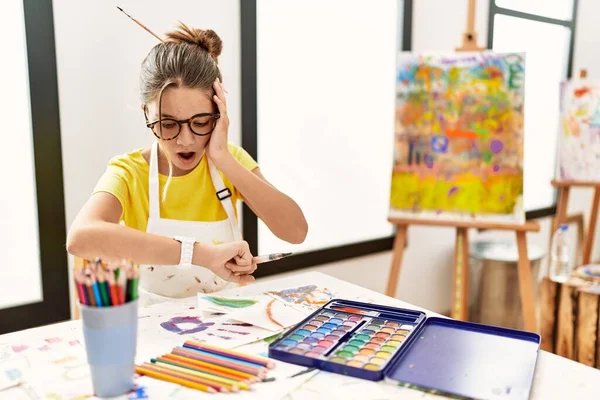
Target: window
column 324, row 121
column 33, row 268
column 545, row 30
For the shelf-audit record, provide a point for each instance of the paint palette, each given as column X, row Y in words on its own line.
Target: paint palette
column 347, row 337
column 374, row 342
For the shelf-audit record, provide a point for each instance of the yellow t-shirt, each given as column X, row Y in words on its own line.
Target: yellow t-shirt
column 190, row 197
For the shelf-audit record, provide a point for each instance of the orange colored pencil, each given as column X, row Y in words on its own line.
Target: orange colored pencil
column 219, row 387
column 229, row 384
column 173, row 379
column 201, row 364
column 207, row 370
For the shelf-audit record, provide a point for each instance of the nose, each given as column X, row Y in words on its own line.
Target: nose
column 186, row 136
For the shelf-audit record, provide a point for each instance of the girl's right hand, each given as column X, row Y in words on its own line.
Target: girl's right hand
column 231, row 261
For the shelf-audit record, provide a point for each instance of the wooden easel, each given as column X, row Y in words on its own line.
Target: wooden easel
column 564, row 189
column 460, row 292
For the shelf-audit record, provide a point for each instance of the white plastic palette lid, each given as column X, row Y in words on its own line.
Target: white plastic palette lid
column 502, row 250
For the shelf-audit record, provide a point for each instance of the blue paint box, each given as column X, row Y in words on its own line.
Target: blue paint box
column 376, row 342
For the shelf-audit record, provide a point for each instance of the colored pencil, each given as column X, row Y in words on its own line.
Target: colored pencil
column 114, row 294
column 81, row 293
column 230, row 353
column 90, row 291
column 228, row 383
column 136, row 279
column 96, row 291
column 129, row 283
column 101, row 278
column 217, row 361
column 225, row 357
column 233, row 374
column 120, row 277
column 173, row 379
column 219, row 387
column 204, row 370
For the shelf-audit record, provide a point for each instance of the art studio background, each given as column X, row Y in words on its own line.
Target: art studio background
column 311, row 89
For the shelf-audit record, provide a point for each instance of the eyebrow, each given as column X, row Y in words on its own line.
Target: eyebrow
column 165, row 115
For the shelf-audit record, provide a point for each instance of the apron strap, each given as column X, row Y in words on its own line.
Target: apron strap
column 224, row 195
column 153, row 188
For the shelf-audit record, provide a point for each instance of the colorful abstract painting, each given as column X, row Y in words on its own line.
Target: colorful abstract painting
column 579, row 139
column 459, row 137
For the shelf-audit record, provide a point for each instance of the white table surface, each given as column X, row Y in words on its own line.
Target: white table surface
column 68, row 376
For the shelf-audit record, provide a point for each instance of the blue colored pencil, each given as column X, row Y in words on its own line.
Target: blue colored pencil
column 221, row 357
column 96, row 292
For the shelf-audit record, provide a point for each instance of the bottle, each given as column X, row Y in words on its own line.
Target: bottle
column 560, row 267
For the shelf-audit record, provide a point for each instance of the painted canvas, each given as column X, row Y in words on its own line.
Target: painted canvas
column 459, row 137
column 579, row 139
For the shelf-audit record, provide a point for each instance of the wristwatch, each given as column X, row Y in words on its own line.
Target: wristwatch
column 187, row 251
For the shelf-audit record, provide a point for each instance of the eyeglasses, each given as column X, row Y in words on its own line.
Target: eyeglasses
column 169, row 128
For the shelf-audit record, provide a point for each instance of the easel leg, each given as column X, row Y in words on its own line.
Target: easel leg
column 525, row 284
column 460, row 291
column 589, row 240
column 561, row 207
column 398, row 251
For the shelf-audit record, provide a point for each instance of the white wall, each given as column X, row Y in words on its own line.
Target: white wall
column 99, row 52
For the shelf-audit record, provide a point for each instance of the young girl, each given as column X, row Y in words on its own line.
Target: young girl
column 171, row 207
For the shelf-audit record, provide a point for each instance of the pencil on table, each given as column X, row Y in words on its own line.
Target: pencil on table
column 230, row 353
column 173, row 379
column 204, row 372
column 260, row 372
column 219, row 387
column 228, row 372
column 229, row 384
column 226, row 357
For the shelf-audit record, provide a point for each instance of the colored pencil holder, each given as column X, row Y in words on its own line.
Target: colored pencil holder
column 110, row 335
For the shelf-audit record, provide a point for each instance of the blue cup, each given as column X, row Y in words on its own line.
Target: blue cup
column 110, row 335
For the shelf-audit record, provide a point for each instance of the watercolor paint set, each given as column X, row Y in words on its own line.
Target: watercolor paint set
column 376, row 342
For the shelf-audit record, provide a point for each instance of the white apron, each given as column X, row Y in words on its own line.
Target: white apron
column 162, row 282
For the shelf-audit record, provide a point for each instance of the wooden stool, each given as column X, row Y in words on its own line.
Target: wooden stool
column 570, row 316
column 495, row 295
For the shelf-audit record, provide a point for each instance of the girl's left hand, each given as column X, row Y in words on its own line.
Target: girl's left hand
column 217, row 146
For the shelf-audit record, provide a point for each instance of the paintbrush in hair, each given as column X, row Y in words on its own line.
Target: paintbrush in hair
column 142, row 25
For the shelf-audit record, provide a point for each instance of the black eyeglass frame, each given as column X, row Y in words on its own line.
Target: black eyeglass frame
column 180, row 122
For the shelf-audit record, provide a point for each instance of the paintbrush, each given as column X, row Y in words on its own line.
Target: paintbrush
column 142, row 25
column 270, row 257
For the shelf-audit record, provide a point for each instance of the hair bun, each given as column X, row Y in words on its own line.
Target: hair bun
column 205, row 38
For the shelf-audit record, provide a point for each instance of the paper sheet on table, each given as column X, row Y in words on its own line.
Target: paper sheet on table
column 261, row 310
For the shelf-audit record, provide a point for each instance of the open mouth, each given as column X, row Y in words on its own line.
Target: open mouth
column 187, row 157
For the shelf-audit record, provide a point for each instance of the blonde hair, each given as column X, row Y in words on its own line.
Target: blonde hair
column 187, row 58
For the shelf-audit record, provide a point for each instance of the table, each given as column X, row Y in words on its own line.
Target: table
column 67, row 377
